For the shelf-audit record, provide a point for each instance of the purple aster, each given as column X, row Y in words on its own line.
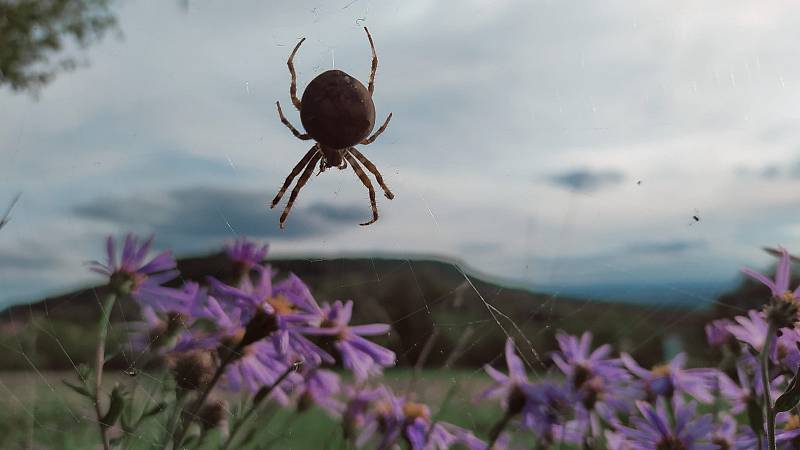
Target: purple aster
column 545, row 406
column 667, row 379
column 246, row 254
column 156, row 332
column 422, row 435
column 786, row 352
column 509, row 388
column 358, row 415
column 287, row 306
column 254, row 365
column 780, row 285
column 738, row 395
column 319, row 388
column 596, row 381
column 361, row 356
column 727, row 436
column 579, row 363
column 787, row 435
column 617, row 441
column 260, row 365
column 717, row 332
column 395, row 418
column 751, row 330
column 142, row 279
column 655, row 431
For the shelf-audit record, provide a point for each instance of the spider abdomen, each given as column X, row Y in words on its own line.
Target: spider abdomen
column 337, row 110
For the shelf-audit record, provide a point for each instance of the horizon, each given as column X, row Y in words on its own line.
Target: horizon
column 688, row 295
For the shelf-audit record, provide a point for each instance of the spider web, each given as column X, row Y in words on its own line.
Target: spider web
column 550, row 217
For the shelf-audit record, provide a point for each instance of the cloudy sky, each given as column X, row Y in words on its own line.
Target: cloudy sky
column 558, row 144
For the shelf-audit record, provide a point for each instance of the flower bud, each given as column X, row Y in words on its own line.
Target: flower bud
column 193, row 370
column 782, row 311
column 260, row 326
column 213, row 414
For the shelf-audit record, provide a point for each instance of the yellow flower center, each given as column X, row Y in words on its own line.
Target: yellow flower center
column 661, row 371
column 414, row 410
column 281, row 305
column 793, row 423
column 788, row 296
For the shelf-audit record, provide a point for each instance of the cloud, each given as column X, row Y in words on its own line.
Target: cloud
column 666, row 247
column 25, row 261
column 585, row 180
column 184, row 217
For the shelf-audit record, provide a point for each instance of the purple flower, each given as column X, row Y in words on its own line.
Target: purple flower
column 617, row 441
column 245, row 254
column 319, row 388
column 593, row 377
column 751, row 330
column 156, row 332
column 667, row 379
column 260, row 365
column 717, row 332
column 142, row 279
column 288, row 307
column 543, row 411
column 780, row 285
column 396, row 418
column 655, row 430
column 359, row 415
column 579, row 365
column 726, row 436
column 509, row 388
column 421, row 435
column 361, row 356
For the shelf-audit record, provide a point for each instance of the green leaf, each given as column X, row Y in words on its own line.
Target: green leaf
column 115, row 407
column 791, row 397
column 157, row 409
column 84, row 371
column 78, row 388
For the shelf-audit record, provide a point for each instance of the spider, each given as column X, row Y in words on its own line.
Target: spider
column 337, row 112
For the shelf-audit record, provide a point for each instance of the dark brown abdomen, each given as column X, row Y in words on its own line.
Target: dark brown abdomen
column 337, row 110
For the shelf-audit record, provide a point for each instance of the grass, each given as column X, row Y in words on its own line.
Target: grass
column 38, row 411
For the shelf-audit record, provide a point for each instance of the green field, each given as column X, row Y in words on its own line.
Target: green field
column 38, row 411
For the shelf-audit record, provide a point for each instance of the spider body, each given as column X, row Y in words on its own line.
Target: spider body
column 337, row 112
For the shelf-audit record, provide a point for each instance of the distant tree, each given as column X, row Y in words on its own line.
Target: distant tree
column 33, row 33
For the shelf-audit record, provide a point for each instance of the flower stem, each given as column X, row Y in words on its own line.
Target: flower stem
column 191, row 413
column 769, row 412
column 256, row 402
column 497, row 429
column 100, row 359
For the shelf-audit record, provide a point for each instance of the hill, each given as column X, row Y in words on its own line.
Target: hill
column 426, row 301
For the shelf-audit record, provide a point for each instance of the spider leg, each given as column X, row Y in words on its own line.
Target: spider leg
column 300, row 183
column 374, row 63
column 296, row 170
column 364, row 179
column 375, row 135
column 293, row 87
column 322, row 167
column 371, row 167
column 297, row 134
